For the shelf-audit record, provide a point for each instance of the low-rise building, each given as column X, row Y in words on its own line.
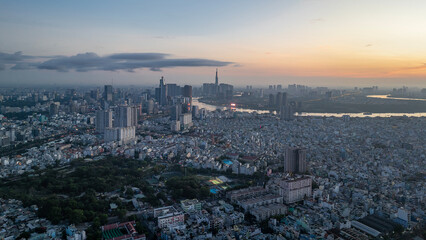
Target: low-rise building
column 122, row 231
column 190, row 205
column 169, row 217
column 246, row 192
column 264, row 212
column 261, row 200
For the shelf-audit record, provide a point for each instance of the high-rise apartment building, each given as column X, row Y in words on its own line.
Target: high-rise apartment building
column 294, row 190
column 150, row 106
column 279, row 101
column 103, row 120
column 120, row 134
column 126, row 116
column 173, row 90
column 54, row 109
column 175, row 112
column 271, row 100
column 295, row 160
column 287, row 111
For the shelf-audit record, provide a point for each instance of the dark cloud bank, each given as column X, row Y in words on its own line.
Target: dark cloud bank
column 91, row 61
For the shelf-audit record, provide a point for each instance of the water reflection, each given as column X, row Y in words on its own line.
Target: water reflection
column 210, row 107
column 395, row 98
column 423, row 114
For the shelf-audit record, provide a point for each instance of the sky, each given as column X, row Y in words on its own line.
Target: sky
column 342, row 43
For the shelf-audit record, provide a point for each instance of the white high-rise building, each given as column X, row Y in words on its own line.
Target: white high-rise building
column 295, row 189
column 150, row 106
column 125, row 122
column 175, row 126
column 120, row 134
column 186, row 120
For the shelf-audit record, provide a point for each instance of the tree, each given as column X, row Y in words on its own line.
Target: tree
column 204, row 192
column 399, row 229
column 93, row 232
column 96, row 223
column 129, row 193
column 121, row 213
column 24, row 235
column 161, row 196
column 103, row 219
column 249, row 218
column 55, row 214
column 77, row 216
column 139, row 227
column 64, row 234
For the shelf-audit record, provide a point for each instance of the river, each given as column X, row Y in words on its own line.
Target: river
column 210, row 107
column 395, row 98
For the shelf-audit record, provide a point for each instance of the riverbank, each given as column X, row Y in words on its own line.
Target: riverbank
column 352, row 104
column 200, row 104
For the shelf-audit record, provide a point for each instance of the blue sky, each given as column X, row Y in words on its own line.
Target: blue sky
column 328, row 42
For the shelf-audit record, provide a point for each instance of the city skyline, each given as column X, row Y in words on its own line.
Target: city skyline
column 212, row 162
column 334, row 43
column 244, row 119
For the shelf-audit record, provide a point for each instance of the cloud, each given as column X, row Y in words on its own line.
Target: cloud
column 138, row 56
column 163, row 37
column 81, row 62
column 89, row 61
column 12, row 59
column 413, row 69
column 421, row 66
column 23, row 66
column 317, row 20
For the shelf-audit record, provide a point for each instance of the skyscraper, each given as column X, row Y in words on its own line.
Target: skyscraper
column 53, row 109
column 175, row 112
column 136, row 110
column 288, row 110
column 284, row 99
column 94, row 94
column 103, row 120
column 125, row 116
column 271, row 100
column 216, row 83
column 187, row 93
column 173, row 90
column 225, row 91
column 163, row 92
column 195, row 111
column 279, row 101
column 209, row 89
column 295, row 160
column 150, row 106
column 108, row 93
